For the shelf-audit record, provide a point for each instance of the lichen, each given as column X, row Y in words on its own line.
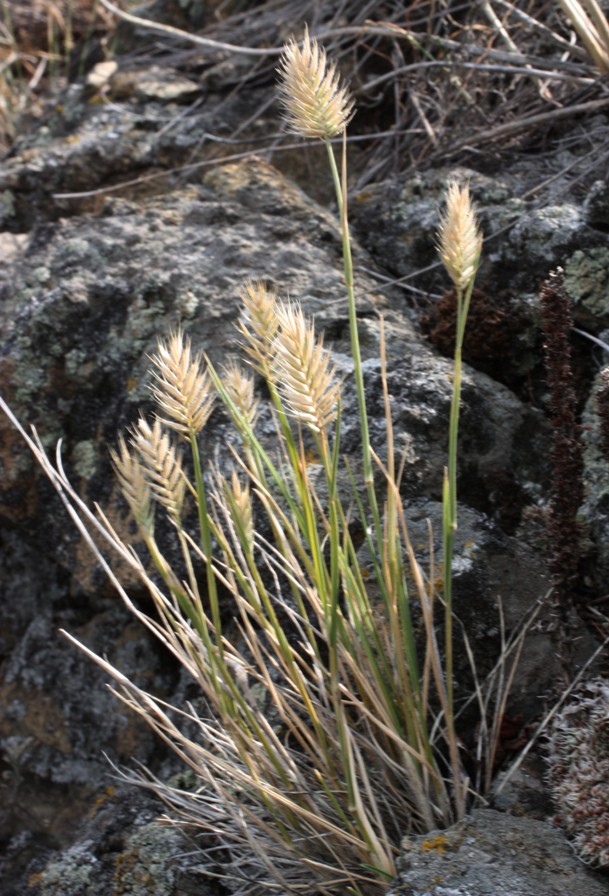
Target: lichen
column 587, row 280
column 144, row 867
column 71, row 874
column 84, row 456
column 578, row 758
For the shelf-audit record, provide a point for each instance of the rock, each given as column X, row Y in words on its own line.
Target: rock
column 122, row 847
column 494, row 854
column 525, row 239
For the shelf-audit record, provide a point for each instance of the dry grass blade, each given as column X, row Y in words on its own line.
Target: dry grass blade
column 303, row 371
column 183, row 390
column 592, row 26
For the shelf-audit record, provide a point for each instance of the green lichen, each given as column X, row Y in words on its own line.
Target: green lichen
column 188, row 302
column 144, row 867
column 7, row 205
column 77, row 254
column 84, row 457
column 71, row 874
column 587, row 279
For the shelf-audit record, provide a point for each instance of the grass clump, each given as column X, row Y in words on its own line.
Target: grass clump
column 325, row 728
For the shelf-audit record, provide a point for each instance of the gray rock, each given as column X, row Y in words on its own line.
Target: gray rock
column 494, row 854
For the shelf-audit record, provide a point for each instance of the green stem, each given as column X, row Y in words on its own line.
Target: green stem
column 340, row 187
column 450, row 486
column 206, row 542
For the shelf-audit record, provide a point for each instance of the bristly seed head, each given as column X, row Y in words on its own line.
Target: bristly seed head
column 303, row 371
column 162, row 465
column 314, row 101
column 258, row 324
column 240, row 388
column 240, row 502
column 183, row 389
column 134, row 486
column 459, row 237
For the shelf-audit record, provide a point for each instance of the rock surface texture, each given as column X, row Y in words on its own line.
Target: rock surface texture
column 493, row 854
column 88, row 285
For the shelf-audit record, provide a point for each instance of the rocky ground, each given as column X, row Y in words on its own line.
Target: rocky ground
column 107, row 243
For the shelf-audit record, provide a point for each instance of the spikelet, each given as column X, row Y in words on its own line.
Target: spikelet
column 134, row 486
column 240, row 504
column 315, row 103
column 459, row 237
column 183, row 390
column 240, row 388
column 258, row 324
column 303, row 371
column 162, row 465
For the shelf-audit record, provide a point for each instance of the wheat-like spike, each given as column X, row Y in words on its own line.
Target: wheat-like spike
column 459, row 237
column 303, row 371
column 134, row 486
column 162, row 465
column 183, row 389
column 315, row 103
column 241, row 506
column 240, row 388
column 258, row 323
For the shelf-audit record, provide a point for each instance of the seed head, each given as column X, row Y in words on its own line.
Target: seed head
column 459, row 237
column 240, row 502
column 134, row 486
column 240, row 387
column 303, row 371
column 258, row 323
column 162, row 465
column 183, row 389
column 316, row 104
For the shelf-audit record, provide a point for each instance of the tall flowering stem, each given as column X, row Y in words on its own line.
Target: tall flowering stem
column 459, row 245
column 317, row 105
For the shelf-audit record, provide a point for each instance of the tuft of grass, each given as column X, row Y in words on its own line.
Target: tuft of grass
column 326, row 726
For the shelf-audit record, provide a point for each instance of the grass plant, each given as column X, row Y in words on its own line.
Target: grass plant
column 325, row 727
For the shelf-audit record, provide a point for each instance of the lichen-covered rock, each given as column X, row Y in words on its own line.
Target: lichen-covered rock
column 578, row 763
column 122, row 848
column 493, row 854
column 594, row 513
column 526, row 237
